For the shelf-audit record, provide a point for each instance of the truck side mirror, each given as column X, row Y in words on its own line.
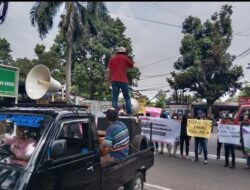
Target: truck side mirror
column 58, row 148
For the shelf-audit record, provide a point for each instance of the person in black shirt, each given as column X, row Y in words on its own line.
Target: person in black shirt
column 183, row 135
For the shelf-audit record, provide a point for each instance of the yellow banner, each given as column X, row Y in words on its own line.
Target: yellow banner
column 199, row 128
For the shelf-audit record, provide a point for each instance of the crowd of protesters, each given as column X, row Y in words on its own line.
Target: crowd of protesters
column 202, row 143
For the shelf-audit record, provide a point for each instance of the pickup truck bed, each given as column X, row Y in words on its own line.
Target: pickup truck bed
column 115, row 175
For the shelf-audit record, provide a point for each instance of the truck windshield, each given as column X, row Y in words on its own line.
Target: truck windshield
column 19, row 135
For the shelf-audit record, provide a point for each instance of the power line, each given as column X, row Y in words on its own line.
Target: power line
column 156, row 75
column 152, row 21
column 152, row 89
column 243, row 54
column 154, row 85
column 152, row 77
column 175, row 12
column 237, row 33
column 159, row 61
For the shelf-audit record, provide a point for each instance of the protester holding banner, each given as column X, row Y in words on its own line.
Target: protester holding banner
column 244, row 137
column 163, row 130
column 218, row 149
column 202, row 141
column 244, row 123
column 176, row 143
column 229, row 147
column 183, row 135
column 163, row 115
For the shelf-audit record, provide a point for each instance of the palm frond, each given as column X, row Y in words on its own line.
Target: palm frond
column 92, row 27
column 42, row 14
column 98, row 9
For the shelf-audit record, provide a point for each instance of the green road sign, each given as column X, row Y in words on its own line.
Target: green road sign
column 8, row 81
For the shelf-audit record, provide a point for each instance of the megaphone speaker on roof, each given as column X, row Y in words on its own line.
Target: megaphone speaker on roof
column 39, row 82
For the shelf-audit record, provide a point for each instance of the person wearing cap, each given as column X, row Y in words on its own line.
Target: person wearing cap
column 117, row 75
column 116, row 140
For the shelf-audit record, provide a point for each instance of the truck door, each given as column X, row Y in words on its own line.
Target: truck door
column 78, row 168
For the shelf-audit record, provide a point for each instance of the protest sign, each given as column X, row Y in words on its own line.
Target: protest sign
column 199, row 128
column 246, row 138
column 228, row 133
column 163, row 130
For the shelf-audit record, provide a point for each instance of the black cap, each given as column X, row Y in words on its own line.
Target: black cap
column 112, row 114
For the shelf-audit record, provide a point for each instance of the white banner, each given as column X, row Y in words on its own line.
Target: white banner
column 229, row 133
column 163, row 130
column 246, row 138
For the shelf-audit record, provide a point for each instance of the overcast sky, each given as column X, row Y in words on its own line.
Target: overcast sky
column 155, row 45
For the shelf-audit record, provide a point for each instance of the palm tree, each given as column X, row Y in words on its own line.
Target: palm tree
column 3, row 12
column 79, row 19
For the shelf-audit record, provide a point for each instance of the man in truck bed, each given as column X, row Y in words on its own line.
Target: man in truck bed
column 116, row 140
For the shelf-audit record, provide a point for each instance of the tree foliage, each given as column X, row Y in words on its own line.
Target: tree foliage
column 90, row 58
column 76, row 22
column 24, row 65
column 245, row 91
column 5, row 56
column 205, row 67
column 161, row 99
column 51, row 60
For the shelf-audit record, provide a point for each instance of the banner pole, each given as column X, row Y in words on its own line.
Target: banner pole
column 151, row 126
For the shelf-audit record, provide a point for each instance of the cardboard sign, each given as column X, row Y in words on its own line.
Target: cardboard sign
column 199, row 128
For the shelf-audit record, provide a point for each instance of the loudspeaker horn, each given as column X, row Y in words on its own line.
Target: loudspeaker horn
column 39, row 82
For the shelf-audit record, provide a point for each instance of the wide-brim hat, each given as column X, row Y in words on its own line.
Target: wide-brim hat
column 121, row 49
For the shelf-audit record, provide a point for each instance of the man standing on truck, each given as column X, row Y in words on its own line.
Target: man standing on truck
column 116, row 140
column 117, row 74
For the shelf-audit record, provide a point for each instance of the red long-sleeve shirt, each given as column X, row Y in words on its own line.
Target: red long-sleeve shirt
column 118, row 65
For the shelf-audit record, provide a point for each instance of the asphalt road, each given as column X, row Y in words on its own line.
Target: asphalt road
column 212, row 146
column 174, row 173
column 183, row 174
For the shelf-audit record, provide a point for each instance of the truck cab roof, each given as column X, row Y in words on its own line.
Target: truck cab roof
column 51, row 109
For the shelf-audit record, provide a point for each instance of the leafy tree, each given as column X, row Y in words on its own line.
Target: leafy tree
column 205, row 67
column 245, row 91
column 50, row 59
column 24, row 65
column 5, row 57
column 161, row 100
column 90, row 58
column 76, row 21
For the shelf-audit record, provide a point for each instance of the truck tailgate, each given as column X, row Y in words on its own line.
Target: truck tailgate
column 117, row 175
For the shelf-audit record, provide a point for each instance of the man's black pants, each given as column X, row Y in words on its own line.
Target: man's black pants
column 229, row 149
column 186, row 140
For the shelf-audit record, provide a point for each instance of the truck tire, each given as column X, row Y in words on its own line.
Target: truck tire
column 138, row 143
column 137, row 183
